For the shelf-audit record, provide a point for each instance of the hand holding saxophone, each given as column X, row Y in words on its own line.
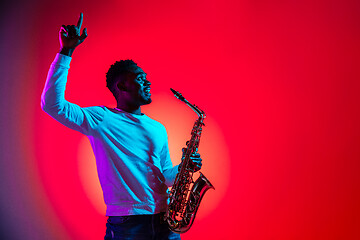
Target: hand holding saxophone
column 196, row 161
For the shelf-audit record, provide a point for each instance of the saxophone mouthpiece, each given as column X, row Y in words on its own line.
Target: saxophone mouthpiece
column 177, row 94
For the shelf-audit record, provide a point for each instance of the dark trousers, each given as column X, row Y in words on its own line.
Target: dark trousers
column 139, row 227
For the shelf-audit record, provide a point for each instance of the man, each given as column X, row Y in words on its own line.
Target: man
column 131, row 150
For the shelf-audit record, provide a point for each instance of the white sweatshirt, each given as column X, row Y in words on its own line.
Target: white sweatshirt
column 131, row 151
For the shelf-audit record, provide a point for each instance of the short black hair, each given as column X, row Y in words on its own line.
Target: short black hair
column 117, row 69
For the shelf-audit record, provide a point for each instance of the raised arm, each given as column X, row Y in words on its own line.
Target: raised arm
column 53, row 96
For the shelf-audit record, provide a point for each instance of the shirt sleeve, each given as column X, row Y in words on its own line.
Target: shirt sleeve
column 53, row 100
column 169, row 171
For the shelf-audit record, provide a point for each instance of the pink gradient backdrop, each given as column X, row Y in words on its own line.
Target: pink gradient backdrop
column 279, row 81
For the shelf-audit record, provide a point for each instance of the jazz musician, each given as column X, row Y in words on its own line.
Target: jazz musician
column 131, row 149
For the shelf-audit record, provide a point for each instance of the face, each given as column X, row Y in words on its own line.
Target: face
column 138, row 87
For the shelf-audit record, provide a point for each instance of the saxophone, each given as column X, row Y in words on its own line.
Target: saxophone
column 183, row 201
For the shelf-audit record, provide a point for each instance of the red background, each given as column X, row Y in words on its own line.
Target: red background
column 279, row 81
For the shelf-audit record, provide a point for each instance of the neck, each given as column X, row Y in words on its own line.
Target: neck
column 129, row 108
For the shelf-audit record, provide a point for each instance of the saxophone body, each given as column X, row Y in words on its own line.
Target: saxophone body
column 186, row 195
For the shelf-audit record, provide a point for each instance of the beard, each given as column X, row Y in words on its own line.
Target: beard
column 145, row 99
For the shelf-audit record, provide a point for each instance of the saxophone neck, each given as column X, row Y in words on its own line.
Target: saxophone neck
column 195, row 108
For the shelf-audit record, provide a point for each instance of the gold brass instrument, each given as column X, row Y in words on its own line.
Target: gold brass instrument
column 183, row 201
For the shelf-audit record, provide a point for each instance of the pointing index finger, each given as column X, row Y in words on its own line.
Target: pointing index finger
column 80, row 21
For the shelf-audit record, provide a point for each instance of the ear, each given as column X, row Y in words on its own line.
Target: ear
column 121, row 86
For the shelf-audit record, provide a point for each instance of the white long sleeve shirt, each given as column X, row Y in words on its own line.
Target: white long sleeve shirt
column 131, row 151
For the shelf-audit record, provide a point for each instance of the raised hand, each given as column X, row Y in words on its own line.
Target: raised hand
column 70, row 38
